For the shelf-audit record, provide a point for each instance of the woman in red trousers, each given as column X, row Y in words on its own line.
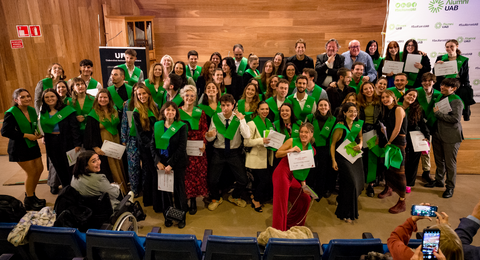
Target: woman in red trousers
column 290, row 186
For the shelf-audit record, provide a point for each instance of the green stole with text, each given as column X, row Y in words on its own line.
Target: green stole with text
column 295, row 129
column 241, row 109
column 135, row 75
column 317, row 92
column 117, row 100
column 85, row 110
column 162, row 137
column 157, row 96
column 301, row 175
column 321, row 135
column 194, row 119
column 272, row 104
column 209, row 111
column 196, row 74
column 110, row 125
column 356, row 86
column 229, row 132
column 427, row 107
column 25, row 126
column 300, row 113
column 48, row 123
column 242, row 66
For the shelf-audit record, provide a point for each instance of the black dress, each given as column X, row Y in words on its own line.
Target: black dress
column 177, row 159
column 18, row 150
column 350, row 182
column 236, row 88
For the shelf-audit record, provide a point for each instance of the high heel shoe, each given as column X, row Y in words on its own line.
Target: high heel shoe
column 257, row 209
column 193, row 206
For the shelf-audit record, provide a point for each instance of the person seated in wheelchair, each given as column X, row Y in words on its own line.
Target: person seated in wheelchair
column 89, row 182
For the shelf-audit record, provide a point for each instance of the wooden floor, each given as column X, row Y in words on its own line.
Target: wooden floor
column 374, row 217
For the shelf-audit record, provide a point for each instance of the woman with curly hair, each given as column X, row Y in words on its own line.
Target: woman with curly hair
column 247, row 105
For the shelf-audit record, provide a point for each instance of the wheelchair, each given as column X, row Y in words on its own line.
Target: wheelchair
column 74, row 210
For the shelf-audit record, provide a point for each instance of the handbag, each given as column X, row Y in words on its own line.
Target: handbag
column 175, row 214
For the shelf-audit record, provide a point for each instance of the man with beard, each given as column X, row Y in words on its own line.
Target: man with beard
column 355, row 54
column 120, row 91
column 400, row 82
column 336, row 94
column 328, row 64
column 303, row 104
column 357, row 76
column 300, row 60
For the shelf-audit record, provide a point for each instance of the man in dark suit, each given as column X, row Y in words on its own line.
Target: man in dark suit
column 446, row 136
column 328, row 64
column 466, row 230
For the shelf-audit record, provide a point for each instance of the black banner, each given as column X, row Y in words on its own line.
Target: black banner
column 110, row 57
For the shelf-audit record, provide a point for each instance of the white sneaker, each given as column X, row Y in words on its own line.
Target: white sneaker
column 239, row 202
column 214, row 204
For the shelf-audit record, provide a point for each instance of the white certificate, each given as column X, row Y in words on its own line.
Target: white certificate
column 410, row 62
column 367, row 136
column 130, row 118
column 193, row 147
column 301, row 160
column 113, row 150
column 419, row 145
column 72, row 156
column 444, row 106
column 165, row 181
column 447, row 68
column 276, row 139
column 392, row 66
column 342, row 151
column 92, row 92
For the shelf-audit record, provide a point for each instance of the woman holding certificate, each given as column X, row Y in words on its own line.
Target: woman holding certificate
column 145, row 115
column 393, row 54
column 394, row 132
column 168, row 146
column 196, row 172
column 415, row 79
column 290, row 186
column 351, row 177
column 102, row 123
column 416, row 122
column 20, row 127
column 465, row 91
column 259, row 157
column 322, row 180
column 62, row 134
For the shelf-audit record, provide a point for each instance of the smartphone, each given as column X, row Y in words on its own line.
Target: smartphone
column 430, row 243
column 425, row 211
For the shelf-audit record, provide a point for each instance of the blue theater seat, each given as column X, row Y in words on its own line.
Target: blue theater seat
column 56, row 242
column 347, row 249
column 232, row 248
column 293, row 249
column 108, row 244
column 7, row 250
column 172, row 247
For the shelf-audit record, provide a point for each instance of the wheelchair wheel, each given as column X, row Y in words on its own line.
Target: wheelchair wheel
column 126, row 222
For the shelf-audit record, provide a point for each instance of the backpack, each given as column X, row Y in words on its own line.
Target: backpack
column 11, row 209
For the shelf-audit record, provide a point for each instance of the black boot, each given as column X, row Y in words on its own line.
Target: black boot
column 193, row 206
column 43, row 201
column 31, row 204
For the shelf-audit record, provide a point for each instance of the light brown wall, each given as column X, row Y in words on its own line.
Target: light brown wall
column 263, row 27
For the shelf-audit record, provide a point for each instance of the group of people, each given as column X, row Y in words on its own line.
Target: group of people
column 230, row 107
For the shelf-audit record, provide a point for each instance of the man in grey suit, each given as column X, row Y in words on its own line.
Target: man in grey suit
column 447, row 136
column 328, row 64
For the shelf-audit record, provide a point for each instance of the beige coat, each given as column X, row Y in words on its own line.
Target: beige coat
column 257, row 157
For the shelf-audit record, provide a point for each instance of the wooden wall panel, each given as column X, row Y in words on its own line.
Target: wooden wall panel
column 263, row 27
column 70, row 34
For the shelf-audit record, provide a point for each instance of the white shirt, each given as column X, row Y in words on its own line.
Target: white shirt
column 237, row 63
column 429, row 97
column 279, row 103
column 302, row 102
column 237, row 140
column 328, row 79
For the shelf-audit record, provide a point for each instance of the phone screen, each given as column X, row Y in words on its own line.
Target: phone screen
column 431, row 240
column 428, row 211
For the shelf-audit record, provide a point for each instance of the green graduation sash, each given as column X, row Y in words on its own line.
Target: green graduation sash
column 356, row 86
column 193, row 120
column 295, row 129
column 116, row 97
column 242, row 66
column 241, row 109
column 232, row 127
column 272, row 104
column 133, row 130
column 262, row 87
column 162, row 138
column 321, row 135
column 397, row 93
column 377, row 62
column 177, row 99
column 300, row 113
column 196, row 74
column 47, row 83
column 209, row 111
column 393, row 156
column 135, row 75
column 460, row 60
column 87, row 107
column 251, row 72
column 157, row 96
column 25, row 126
column 301, row 175
column 351, row 134
column 48, row 123
column 67, row 100
column 92, row 84
column 450, row 99
column 110, row 125
column 317, row 92
column 427, row 107
column 261, row 127
column 292, row 86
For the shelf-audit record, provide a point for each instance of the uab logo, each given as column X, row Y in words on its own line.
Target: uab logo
column 435, row 6
column 433, row 54
column 406, row 5
column 476, row 82
column 391, row 26
column 460, row 39
column 438, row 25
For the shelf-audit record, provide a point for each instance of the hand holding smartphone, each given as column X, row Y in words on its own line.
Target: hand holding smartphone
column 424, row 211
column 430, row 243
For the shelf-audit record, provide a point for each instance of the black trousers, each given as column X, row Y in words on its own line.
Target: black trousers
column 58, row 157
column 219, row 160
column 411, row 164
column 262, row 184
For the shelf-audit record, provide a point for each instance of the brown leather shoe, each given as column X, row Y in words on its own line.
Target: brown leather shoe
column 398, row 208
column 385, row 193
